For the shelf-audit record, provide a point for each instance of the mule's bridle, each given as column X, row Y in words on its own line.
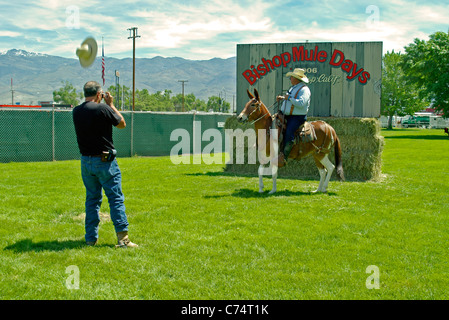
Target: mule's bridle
column 258, row 107
column 255, row 109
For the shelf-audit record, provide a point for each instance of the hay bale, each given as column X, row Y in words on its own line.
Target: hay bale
column 361, row 144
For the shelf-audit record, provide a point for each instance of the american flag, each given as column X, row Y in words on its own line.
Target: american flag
column 102, row 62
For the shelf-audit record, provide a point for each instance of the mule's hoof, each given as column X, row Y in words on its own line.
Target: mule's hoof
column 260, row 190
column 272, row 191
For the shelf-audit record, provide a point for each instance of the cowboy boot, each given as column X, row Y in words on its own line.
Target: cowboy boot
column 123, row 240
column 287, row 149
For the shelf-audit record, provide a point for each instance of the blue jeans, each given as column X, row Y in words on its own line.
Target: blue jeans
column 98, row 175
column 293, row 123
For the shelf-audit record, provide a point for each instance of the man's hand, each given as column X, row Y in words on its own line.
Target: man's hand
column 278, row 98
column 108, row 98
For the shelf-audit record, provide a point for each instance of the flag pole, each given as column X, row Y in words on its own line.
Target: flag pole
column 102, row 61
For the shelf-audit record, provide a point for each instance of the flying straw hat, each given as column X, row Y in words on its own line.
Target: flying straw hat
column 87, row 52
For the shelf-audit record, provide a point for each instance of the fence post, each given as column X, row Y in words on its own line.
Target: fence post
column 53, row 133
column 132, row 133
column 193, row 134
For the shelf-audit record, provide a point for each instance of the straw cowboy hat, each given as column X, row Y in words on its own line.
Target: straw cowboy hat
column 299, row 74
column 87, row 52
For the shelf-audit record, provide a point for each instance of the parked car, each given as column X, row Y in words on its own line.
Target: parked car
column 416, row 121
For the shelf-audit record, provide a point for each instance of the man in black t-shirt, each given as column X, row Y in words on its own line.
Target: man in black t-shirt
column 93, row 122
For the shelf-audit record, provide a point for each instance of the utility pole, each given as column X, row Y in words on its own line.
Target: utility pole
column 134, row 35
column 183, row 81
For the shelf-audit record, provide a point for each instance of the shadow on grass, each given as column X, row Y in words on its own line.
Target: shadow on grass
column 249, row 193
column 28, row 245
column 419, row 137
column 247, row 175
column 222, row 173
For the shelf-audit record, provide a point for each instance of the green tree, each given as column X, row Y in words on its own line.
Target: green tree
column 398, row 96
column 198, row 105
column 218, row 104
column 142, row 100
column 162, row 101
column 159, row 101
column 426, row 64
column 190, row 103
column 67, row 94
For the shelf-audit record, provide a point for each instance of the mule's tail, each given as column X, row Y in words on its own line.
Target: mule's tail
column 338, row 164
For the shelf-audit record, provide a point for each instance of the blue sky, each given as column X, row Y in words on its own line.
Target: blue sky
column 202, row 30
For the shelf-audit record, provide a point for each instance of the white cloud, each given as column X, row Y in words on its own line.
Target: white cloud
column 398, row 25
column 9, row 34
column 213, row 28
column 167, row 30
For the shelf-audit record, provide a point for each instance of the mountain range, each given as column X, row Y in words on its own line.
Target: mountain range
column 35, row 75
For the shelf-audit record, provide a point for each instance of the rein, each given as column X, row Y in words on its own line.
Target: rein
column 263, row 116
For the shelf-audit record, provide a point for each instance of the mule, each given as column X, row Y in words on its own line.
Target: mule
column 326, row 138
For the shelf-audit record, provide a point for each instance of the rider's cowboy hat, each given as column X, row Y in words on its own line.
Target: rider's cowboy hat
column 299, row 74
column 87, row 52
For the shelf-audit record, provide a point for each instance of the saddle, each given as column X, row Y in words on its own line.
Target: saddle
column 305, row 133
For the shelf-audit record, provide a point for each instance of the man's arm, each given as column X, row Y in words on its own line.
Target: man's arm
column 109, row 99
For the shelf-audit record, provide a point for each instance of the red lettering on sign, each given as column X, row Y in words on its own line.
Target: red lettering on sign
column 354, row 73
column 364, row 77
column 300, row 54
column 347, row 66
column 286, row 57
column 322, row 56
column 277, row 64
column 334, row 56
column 266, row 63
column 249, row 76
column 261, row 68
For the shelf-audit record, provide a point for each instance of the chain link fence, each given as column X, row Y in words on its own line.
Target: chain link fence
column 49, row 135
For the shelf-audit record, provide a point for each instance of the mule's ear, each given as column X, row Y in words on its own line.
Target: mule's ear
column 256, row 93
column 250, row 95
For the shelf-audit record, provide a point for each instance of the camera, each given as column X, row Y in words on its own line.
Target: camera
column 108, row 156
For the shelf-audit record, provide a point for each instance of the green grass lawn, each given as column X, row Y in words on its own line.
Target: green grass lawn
column 205, row 234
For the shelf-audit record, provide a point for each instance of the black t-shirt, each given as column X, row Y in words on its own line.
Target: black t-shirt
column 93, row 127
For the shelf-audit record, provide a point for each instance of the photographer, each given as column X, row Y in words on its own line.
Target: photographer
column 93, row 122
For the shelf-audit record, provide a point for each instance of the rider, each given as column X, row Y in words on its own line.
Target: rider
column 295, row 106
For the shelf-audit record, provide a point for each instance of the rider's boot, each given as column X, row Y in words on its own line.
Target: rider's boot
column 287, row 149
